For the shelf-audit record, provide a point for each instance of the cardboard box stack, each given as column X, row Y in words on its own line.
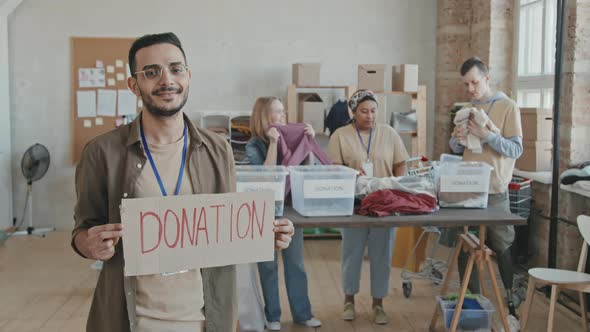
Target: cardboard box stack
column 312, row 108
column 306, row 74
column 405, row 78
column 537, row 129
column 371, row 77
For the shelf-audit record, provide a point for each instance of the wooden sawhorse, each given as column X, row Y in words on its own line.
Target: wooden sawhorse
column 479, row 254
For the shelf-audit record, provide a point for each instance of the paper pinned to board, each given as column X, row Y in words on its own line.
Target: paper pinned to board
column 126, row 103
column 127, row 71
column 110, row 69
column 119, row 63
column 86, row 104
column 91, row 77
column 87, row 124
column 107, row 102
column 111, row 82
column 120, row 77
column 98, row 121
column 99, row 64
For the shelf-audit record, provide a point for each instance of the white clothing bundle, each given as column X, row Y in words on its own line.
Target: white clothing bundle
column 410, row 184
column 473, row 142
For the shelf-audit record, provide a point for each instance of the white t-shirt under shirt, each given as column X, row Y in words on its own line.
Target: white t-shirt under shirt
column 168, row 302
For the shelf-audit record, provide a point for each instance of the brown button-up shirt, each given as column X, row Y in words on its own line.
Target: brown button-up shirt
column 107, row 172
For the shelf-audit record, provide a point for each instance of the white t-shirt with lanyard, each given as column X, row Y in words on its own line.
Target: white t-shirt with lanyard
column 168, row 301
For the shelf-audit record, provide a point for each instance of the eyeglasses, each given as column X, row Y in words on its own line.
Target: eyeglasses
column 155, row 72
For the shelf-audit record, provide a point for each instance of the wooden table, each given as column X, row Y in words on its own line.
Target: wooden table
column 479, row 254
column 440, row 218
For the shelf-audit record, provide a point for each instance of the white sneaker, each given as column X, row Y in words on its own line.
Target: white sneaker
column 513, row 324
column 348, row 313
column 312, row 322
column 273, row 326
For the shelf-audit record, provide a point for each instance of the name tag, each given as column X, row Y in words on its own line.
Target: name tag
column 367, row 167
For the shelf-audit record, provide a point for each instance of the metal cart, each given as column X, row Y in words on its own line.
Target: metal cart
column 432, row 269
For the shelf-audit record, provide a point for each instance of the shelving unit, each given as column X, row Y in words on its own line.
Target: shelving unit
column 224, row 119
column 418, row 140
column 418, row 102
column 293, row 91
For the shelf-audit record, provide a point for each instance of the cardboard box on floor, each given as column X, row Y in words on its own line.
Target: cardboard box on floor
column 371, row 77
column 537, row 124
column 404, row 78
column 312, row 110
column 306, row 74
column 536, row 156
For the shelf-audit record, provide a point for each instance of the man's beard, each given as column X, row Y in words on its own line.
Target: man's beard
column 156, row 111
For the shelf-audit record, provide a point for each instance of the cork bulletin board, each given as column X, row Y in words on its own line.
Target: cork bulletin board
column 99, row 95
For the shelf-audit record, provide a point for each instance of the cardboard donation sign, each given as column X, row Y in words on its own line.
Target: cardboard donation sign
column 176, row 233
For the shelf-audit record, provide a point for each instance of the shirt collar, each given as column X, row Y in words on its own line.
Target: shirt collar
column 135, row 133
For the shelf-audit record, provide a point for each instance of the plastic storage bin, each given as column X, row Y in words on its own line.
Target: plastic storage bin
column 261, row 178
column 469, row 319
column 323, row 190
column 464, row 184
column 450, row 157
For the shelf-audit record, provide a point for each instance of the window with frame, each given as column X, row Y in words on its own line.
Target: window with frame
column 535, row 55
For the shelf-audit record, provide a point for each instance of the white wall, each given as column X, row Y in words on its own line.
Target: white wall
column 5, row 145
column 237, row 49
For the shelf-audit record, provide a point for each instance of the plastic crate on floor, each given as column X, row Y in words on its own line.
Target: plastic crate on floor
column 469, row 319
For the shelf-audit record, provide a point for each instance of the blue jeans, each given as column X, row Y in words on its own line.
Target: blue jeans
column 380, row 241
column 295, row 280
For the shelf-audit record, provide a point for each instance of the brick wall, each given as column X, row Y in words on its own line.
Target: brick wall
column 501, row 45
column 453, row 47
column 577, row 44
column 569, row 240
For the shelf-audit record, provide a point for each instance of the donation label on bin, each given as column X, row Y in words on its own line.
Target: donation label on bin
column 464, row 184
column 323, row 190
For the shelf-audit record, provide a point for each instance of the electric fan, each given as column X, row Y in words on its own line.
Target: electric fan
column 34, row 165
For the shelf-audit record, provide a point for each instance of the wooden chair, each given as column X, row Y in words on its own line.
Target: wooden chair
column 562, row 279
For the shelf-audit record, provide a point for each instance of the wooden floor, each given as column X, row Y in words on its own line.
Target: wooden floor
column 44, row 286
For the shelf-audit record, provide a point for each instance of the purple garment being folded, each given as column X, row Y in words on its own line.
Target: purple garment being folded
column 295, row 146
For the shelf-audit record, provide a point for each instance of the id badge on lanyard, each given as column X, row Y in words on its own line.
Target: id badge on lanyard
column 367, row 167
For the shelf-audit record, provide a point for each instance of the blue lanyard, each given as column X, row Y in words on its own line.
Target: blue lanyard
column 489, row 108
column 363, row 143
column 149, row 155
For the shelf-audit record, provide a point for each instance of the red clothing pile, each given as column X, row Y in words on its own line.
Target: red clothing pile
column 386, row 202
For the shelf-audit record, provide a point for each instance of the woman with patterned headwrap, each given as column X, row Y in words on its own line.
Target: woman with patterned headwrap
column 375, row 150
